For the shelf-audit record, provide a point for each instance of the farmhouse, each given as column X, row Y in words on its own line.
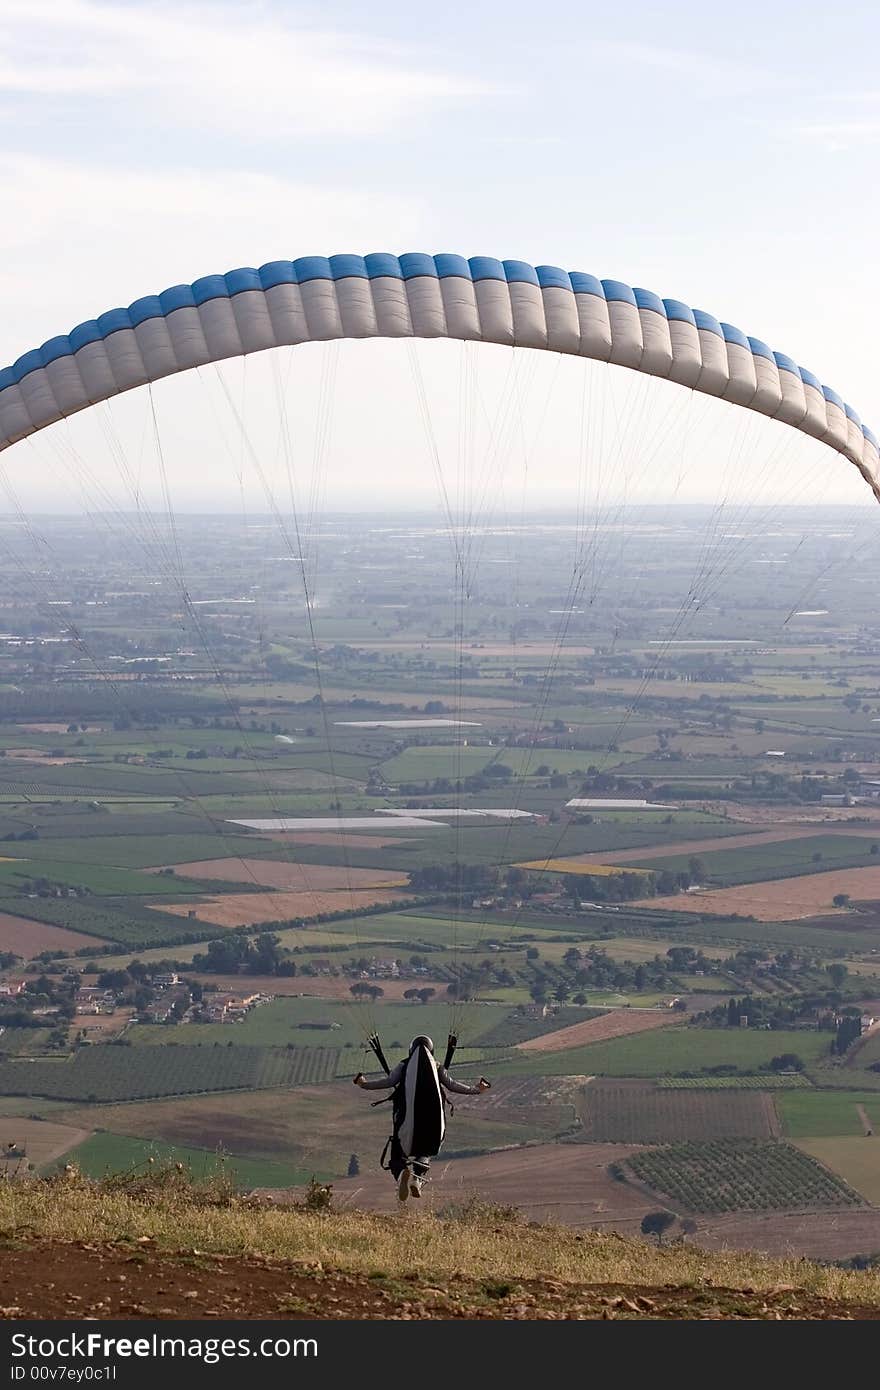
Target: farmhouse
column 9, row 989
column 91, row 1000
column 385, row 969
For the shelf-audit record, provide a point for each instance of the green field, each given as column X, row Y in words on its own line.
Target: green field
column 280, row 1022
column 669, row 1051
column 110, row 1072
column 102, row 1154
column 782, row 859
column 819, row 1114
column 129, row 849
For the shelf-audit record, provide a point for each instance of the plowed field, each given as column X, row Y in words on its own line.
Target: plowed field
column 615, row 1024
column 782, row 899
column 248, row 909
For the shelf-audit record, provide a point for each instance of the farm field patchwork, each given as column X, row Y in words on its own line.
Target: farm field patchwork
column 317, row 1128
column 669, row 1052
column 755, row 863
column 126, row 921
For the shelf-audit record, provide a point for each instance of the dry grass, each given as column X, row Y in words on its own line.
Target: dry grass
column 299, row 878
column 780, row 900
column 615, row 1024
column 248, row 909
column 417, row 1244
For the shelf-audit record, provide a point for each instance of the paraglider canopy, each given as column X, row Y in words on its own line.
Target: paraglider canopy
column 316, row 298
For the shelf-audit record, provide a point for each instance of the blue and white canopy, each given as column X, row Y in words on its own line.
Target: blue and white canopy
column 319, row 298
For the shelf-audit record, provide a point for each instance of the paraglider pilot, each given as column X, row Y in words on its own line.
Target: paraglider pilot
column 418, row 1097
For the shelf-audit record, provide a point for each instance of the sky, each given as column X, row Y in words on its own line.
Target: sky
column 723, row 155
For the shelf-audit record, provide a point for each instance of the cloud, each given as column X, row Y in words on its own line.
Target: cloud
column 220, row 66
column 733, row 76
column 76, row 240
column 838, row 136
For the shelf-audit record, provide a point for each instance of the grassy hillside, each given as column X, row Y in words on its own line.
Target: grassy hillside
column 478, row 1261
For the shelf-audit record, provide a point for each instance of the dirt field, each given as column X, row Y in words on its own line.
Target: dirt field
column 818, row 1235
column 546, row 1182
column 102, row 1026
column 780, row 900
column 249, row 909
column 28, row 939
column 42, row 1140
column 74, row 1280
column 298, row 878
column 615, row 1024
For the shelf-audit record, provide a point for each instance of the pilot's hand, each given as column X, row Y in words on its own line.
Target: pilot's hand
column 484, row 1084
column 359, row 1079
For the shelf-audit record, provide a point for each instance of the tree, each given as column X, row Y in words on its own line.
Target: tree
column 697, row 869
column 841, row 899
column 354, row 1167
column 838, row 973
column 656, row 1223
column 787, row 1061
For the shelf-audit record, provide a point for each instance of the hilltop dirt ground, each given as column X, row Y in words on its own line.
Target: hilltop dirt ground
column 52, row 1279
